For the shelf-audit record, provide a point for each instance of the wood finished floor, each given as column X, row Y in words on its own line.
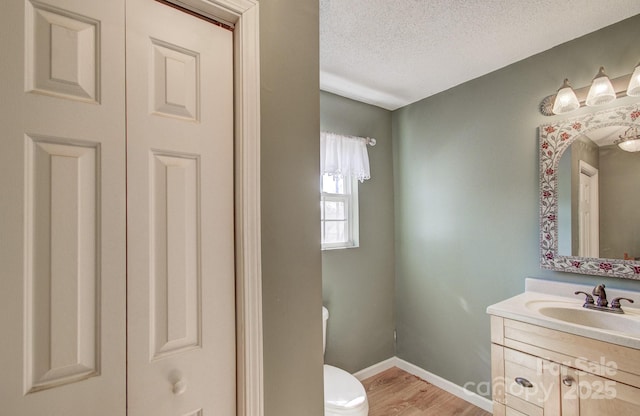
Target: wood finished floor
column 395, row 392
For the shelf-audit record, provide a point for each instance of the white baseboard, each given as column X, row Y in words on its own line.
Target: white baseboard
column 446, row 385
column 376, row 368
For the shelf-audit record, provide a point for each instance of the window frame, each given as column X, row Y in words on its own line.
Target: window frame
column 350, row 198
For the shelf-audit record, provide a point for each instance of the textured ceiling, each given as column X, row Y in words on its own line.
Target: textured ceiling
column 391, row 53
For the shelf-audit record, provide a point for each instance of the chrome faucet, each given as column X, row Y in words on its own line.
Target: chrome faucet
column 601, row 304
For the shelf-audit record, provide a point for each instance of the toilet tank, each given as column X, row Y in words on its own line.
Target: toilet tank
column 325, row 316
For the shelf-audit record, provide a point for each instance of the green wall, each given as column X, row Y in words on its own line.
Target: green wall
column 358, row 283
column 291, row 260
column 466, row 193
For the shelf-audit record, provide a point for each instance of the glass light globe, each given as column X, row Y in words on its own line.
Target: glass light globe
column 633, row 90
column 566, row 100
column 601, row 91
column 630, row 145
column 630, row 140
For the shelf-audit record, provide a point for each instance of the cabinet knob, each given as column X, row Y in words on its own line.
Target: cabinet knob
column 568, row 381
column 524, row 382
column 179, row 387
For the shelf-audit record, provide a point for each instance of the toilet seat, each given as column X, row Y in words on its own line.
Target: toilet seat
column 343, row 394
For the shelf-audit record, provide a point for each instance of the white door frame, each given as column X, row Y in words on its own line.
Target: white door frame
column 243, row 15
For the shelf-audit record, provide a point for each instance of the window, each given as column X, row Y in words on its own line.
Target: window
column 339, row 211
column 344, row 161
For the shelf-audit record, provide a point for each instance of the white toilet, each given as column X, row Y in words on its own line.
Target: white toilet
column 343, row 393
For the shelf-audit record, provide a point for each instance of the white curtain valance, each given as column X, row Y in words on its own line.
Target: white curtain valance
column 344, row 156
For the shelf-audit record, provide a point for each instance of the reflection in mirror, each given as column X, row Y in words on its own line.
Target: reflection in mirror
column 598, row 197
column 589, row 194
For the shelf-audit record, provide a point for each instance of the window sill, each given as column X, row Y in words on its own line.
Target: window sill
column 338, row 248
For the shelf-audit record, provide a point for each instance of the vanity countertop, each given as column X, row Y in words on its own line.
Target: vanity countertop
column 541, row 297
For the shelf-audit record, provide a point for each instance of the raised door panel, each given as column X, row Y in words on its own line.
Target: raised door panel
column 174, row 79
column 62, row 52
column 175, row 254
column 63, row 211
column 62, row 276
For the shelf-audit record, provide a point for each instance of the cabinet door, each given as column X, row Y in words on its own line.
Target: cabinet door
column 62, row 215
column 530, row 384
column 585, row 394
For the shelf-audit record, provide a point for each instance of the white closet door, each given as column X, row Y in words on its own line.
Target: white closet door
column 62, row 217
column 181, row 301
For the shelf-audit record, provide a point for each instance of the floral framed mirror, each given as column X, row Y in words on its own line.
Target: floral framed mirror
column 590, row 193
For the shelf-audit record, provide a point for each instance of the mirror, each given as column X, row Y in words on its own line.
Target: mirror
column 589, row 195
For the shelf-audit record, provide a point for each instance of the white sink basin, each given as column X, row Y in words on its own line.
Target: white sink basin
column 628, row 323
column 596, row 319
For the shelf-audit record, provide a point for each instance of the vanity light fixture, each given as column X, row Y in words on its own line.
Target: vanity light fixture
column 566, row 100
column 601, row 91
column 633, row 90
column 630, row 140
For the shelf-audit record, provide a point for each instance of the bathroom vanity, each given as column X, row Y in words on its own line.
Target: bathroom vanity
column 550, row 356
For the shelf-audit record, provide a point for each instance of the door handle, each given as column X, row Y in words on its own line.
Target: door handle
column 524, row 382
column 179, row 387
